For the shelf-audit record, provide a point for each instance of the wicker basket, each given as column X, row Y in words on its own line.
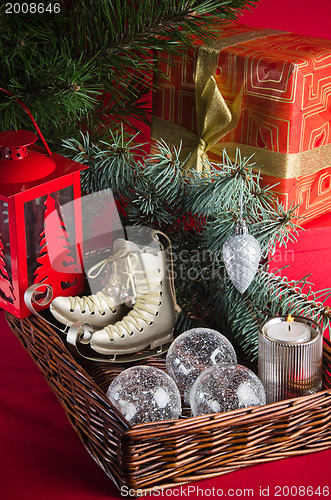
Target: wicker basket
column 168, row 453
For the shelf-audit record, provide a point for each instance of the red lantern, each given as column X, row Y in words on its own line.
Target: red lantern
column 34, row 184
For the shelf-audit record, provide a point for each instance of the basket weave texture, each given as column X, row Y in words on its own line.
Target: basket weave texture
column 164, row 454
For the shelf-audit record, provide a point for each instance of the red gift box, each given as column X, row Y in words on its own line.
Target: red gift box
column 270, row 94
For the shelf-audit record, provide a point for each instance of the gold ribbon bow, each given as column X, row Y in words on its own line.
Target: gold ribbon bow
column 215, row 120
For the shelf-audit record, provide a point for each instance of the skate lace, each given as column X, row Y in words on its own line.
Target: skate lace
column 95, row 302
column 120, row 257
column 134, row 318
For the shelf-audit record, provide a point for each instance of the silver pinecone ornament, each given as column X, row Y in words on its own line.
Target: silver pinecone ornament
column 241, row 256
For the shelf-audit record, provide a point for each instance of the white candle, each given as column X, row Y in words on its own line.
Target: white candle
column 290, row 357
column 289, row 331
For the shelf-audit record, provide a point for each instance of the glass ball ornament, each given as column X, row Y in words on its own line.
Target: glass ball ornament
column 145, row 394
column 194, row 351
column 226, row 387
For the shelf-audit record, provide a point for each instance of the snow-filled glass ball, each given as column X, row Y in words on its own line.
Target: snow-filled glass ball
column 194, row 351
column 145, row 394
column 226, row 387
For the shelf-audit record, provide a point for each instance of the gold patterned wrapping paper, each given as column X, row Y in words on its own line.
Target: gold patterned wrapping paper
column 264, row 91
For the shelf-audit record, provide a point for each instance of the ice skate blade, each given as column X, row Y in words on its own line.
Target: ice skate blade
column 80, row 335
column 87, row 353
column 111, row 351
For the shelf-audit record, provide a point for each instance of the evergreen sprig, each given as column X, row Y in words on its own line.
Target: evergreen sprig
column 111, row 163
column 230, row 188
column 91, row 63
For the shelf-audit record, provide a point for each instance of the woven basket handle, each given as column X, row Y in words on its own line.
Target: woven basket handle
column 31, row 118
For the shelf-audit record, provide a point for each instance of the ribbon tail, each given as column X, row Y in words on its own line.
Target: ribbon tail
column 191, row 162
column 217, row 115
column 202, row 163
column 234, row 111
column 219, row 119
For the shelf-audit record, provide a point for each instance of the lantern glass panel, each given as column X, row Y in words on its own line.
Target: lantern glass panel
column 6, row 288
column 40, row 247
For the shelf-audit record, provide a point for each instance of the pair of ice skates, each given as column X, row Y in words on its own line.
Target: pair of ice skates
column 136, row 307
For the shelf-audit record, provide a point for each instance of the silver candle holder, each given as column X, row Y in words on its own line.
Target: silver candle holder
column 290, row 357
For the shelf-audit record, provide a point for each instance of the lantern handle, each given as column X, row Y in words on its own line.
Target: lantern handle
column 31, row 118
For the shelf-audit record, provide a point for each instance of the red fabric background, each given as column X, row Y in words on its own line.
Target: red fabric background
column 41, row 455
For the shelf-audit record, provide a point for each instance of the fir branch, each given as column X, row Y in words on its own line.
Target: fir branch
column 239, row 316
column 153, row 24
column 276, row 228
column 166, row 170
column 215, row 190
column 111, row 163
column 59, row 64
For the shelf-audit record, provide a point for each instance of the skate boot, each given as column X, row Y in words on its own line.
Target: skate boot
column 114, row 300
column 150, row 323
